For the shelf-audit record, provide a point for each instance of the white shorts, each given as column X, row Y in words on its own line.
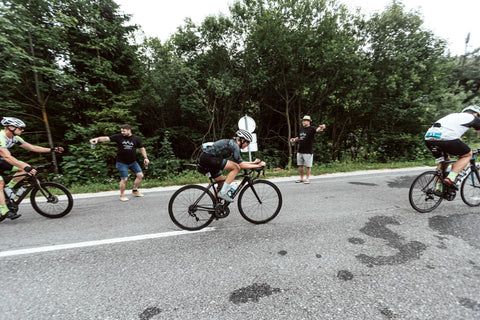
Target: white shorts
column 305, row 159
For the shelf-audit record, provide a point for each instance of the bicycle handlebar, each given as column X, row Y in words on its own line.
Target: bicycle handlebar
column 46, row 166
column 255, row 171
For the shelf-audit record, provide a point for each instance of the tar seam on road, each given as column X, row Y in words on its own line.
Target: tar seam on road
column 98, row 242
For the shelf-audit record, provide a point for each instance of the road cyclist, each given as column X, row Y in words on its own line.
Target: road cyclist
column 10, row 137
column 444, row 137
column 213, row 158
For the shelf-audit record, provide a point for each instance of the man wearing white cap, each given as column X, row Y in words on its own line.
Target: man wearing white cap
column 305, row 149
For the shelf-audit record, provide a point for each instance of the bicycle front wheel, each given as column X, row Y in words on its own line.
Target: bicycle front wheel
column 421, row 195
column 192, row 207
column 51, row 200
column 470, row 190
column 260, row 202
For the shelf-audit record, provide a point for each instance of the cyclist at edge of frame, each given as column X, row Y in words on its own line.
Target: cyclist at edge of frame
column 446, row 134
column 9, row 137
column 213, row 158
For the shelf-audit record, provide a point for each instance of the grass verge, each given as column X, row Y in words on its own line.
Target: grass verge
column 192, row 176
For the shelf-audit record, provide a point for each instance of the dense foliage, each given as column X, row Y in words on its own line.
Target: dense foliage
column 73, row 70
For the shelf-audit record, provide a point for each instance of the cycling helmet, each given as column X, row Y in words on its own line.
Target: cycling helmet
column 14, row 122
column 473, row 108
column 244, row 134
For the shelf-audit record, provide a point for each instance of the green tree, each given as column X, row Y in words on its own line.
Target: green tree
column 410, row 71
column 30, row 51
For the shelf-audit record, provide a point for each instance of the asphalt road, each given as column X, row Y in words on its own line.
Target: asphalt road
column 347, row 246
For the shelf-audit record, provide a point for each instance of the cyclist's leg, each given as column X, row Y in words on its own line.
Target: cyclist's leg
column 4, row 211
column 234, row 169
column 464, row 153
column 4, row 166
column 19, row 175
column 3, row 206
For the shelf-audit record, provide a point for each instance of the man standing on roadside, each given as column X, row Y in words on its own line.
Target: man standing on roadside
column 305, row 149
column 127, row 157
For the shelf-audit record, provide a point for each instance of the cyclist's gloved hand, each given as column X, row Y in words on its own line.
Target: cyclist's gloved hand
column 57, row 149
column 31, row 171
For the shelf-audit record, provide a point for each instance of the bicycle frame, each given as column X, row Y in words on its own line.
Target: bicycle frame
column 32, row 182
column 247, row 179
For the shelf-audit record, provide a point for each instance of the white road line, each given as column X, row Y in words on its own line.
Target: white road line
column 98, row 242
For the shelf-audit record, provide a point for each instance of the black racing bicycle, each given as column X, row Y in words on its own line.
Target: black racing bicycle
column 194, row 207
column 49, row 199
column 424, row 196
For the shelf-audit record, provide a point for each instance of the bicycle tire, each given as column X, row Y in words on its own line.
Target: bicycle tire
column 470, row 190
column 260, row 212
column 185, row 213
column 421, row 194
column 52, row 200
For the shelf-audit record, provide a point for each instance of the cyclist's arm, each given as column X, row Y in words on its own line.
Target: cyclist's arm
column 35, row 148
column 251, row 165
column 100, row 139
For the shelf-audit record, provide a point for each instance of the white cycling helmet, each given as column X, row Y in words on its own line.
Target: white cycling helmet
column 472, row 108
column 14, row 122
column 244, row 134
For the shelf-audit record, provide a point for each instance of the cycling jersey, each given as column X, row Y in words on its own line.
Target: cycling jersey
column 452, row 127
column 7, row 143
column 225, row 148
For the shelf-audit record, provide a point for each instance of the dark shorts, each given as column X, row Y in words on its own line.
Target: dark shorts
column 123, row 169
column 213, row 164
column 5, row 166
column 456, row 147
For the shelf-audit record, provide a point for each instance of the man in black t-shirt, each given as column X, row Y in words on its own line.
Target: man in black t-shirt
column 127, row 157
column 305, row 149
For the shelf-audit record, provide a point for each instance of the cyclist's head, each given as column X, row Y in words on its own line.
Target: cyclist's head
column 473, row 108
column 13, row 122
column 244, row 135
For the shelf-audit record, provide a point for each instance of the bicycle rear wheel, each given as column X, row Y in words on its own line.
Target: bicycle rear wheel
column 470, row 190
column 421, row 194
column 52, row 200
column 192, row 207
column 263, row 208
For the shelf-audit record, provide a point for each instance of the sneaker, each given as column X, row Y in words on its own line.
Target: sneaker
column 123, row 198
column 450, row 184
column 137, row 193
column 224, row 196
column 12, row 215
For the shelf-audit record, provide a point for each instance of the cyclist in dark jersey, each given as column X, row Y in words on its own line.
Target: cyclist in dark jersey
column 214, row 159
column 10, row 137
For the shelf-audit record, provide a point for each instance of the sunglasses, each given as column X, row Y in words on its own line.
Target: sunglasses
column 21, row 129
